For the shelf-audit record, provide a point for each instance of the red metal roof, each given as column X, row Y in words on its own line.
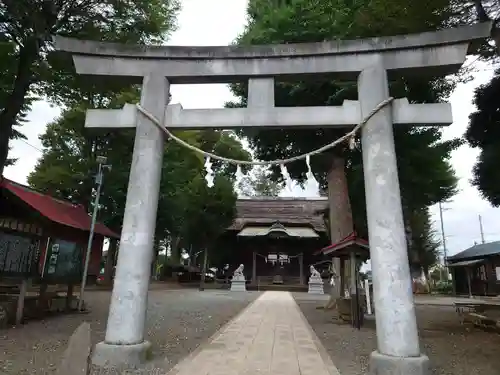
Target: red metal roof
column 351, row 239
column 56, row 210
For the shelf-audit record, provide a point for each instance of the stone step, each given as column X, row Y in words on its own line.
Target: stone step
column 278, row 287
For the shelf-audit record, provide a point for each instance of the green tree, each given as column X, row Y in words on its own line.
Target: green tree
column 25, row 31
column 210, row 211
column 483, row 133
column 68, row 164
column 258, row 182
column 181, row 167
column 482, row 11
column 66, row 170
column 8, row 67
column 424, row 245
column 426, row 176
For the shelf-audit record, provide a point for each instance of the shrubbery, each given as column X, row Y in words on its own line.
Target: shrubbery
column 443, row 287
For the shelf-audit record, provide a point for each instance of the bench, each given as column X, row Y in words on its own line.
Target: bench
column 480, row 314
column 463, row 308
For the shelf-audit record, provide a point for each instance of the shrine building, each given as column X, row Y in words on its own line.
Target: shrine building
column 276, row 239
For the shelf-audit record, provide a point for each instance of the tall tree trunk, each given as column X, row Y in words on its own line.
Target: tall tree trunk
column 204, row 269
column 340, row 218
column 174, row 250
column 156, row 250
column 15, row 101
column 482, row 16
column 110, row 261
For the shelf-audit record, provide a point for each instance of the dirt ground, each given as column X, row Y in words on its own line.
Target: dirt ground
column 178, row 322
column 453, row 349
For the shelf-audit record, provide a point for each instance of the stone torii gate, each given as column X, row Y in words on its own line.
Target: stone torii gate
column 370, row 61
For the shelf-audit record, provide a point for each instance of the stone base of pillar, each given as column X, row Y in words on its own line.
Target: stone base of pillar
column 121, row 357
column 316, row 286
column 386, row 365
column 238, row 284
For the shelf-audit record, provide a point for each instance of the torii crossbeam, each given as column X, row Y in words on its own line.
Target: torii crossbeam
column 370, row 61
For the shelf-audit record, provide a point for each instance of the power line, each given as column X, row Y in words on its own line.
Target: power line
column 29, row 144
column 471, row 63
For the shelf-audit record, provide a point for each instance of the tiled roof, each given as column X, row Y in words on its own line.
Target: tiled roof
column 291, row 211
column 56, row 210
column 477, row 251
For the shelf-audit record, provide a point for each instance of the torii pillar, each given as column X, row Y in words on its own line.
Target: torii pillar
column 443, row 52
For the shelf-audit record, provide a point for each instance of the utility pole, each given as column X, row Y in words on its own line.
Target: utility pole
column 481, row 228
column 101, row 160
column 443, row 235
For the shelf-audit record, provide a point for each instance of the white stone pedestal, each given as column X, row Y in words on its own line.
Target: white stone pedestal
column 315, row 286
column 238, row 284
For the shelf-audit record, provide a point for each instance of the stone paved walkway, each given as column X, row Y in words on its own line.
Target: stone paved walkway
column 270, row 336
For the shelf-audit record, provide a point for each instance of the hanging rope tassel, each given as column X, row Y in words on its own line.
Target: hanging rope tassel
column 239, row 176
column 352, row 142
column 209, row 176
column 286, row 177
column 312, row 185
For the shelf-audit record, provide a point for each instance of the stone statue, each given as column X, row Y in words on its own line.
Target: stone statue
column 239, row 270
column 238, row 283
column 315, row 282
column 314, row 272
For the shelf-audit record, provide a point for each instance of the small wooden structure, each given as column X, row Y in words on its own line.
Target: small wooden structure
column 352, row 251
column 43, row 242
column 476, row 270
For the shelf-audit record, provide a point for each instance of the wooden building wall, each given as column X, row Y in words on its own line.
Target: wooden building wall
column 17, row 218
column 483, row 278
column 234, row 250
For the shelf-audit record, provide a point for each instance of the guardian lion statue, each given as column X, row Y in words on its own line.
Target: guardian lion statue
column 239, row 270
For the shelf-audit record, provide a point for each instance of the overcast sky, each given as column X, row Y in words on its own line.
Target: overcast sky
column 200, row 24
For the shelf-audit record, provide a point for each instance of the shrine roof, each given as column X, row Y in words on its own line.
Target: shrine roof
column 477, row 251
column 56, row 210
column 288, row 211
column 349, row 242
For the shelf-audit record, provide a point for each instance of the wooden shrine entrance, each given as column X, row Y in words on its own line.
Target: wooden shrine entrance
column 276, row 238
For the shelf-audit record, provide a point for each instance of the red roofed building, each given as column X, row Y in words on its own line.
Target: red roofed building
column 45, row 237
column 346, row 245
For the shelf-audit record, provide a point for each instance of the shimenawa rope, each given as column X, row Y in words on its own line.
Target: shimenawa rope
column 350, row 135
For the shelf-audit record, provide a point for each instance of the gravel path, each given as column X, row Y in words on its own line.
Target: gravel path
column 178, row 322
column 452, row 349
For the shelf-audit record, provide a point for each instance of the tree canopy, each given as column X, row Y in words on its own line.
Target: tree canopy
column 482, row 11
column 8, row 68
column 483, row 133
column 424, row 246
column 31, row 69
column 426, row 176
column 69, row 161
column 26, row 28
column 259, row 183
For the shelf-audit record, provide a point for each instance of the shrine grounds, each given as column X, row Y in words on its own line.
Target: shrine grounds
column 453, row 349
column 181, row 320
